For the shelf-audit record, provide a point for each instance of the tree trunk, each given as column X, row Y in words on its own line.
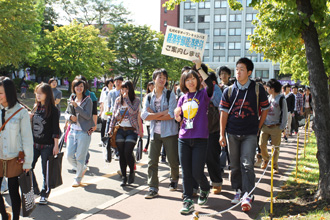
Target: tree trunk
column 319, row 87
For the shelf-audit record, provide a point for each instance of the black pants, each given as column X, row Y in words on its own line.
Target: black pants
column 103, row 126
column 14, row 197
column 295, row 121
column 213, row 159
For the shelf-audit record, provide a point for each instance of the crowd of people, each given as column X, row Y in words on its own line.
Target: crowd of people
column 200, row 122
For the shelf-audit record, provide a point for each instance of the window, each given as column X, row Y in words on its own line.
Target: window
column 222, row 59
column 234, row 31
column 218, row 46
column 247, row 45
column 220, row 32
column 254, row 59
column 189, row 5
column 263, row 60
column 218, row 18
column 250, row 17
column 234, row 46
column 231, row 59
column 203, row 18
column 248, row 31
column 217, row 4
column 165, row 10
column 206, row 46
column 204, row 31
column 204, row 5
column 216, row 59
column 189, row 18
column 206, row 59
column 224, row 4
column 165, row 23
column 262, row 73
column 248, row 2
column 235, row 17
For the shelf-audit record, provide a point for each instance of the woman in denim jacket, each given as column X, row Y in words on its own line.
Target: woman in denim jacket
column 127, row 108
column 79, row 115
column 16, row 136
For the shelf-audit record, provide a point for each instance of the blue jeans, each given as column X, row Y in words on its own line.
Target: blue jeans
column 192, row 155
column 126, row 141
column 44, row 153
column 77, row 148
column 242, row 149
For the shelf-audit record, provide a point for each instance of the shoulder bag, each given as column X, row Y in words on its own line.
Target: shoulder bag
column 115, row 130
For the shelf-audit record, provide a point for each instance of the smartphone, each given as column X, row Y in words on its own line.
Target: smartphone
column 90, row 131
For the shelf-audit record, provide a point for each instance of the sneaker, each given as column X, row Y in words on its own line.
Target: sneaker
column 237, row 197
column 264, row 164
column 75, row 183
column 173, row 186
column 246, row 204
column 285, row 139
column 145, row 150
column 151, row 194
column 188, row 207
column 116, row 157
column 259, row 161
column 203, row 196
column 276, row 171
column 101, row 144
column 43, row 201
column 216, row 189
column 295, row 133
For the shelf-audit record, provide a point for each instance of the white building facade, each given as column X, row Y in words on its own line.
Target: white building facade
column 227, row 31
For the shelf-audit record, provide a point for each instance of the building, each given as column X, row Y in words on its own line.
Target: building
column 227, row 31
column 168, row 17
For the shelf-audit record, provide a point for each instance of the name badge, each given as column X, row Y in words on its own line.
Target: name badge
column 189, row 125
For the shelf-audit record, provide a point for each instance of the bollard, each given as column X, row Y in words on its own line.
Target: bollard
column 297, row 155
column 305, row 139
column 271, row 184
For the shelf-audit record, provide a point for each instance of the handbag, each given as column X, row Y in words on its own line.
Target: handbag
column 106, row 149
column 115, row 130
column 27, row 193
column 54, row 168
column 139, row 150
column 13, row 167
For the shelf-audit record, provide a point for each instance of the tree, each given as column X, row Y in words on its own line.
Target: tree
column 295, row 33
column 75, row 49
column 100, row 12
column 19, row 26
column 135, row 49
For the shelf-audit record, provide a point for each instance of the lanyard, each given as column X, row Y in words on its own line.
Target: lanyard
column 189, row 106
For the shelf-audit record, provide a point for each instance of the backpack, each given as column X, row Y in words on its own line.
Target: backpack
column 168, row 95
column 281, row 107
column 230, row 90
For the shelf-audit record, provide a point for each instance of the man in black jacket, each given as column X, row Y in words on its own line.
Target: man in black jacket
column 290, row 100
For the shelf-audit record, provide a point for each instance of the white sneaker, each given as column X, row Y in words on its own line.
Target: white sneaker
column 75, row 183
column 247, row 202
column 43, row 201
column 116, row 157
column 237, row 197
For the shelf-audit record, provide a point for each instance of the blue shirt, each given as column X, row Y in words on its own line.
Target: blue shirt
column 217, row 93
column 168, row 127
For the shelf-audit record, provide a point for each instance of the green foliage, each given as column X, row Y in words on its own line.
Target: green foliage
column 18, row 30
column 74, row 49
column 135, row 50
column 98, row 12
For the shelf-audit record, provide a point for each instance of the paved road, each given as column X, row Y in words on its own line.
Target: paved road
column 103, row 198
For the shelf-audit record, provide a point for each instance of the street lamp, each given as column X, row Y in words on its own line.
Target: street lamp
column 140, row 57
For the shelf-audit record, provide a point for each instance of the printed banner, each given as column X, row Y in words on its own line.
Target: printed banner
column 183, row 44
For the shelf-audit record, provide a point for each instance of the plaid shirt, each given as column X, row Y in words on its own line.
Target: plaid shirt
column 133, row 112
column 298, row 102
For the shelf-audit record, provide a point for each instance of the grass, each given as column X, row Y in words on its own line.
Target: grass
column 296, row 199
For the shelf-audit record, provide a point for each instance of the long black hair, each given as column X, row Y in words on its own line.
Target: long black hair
column 10, row 91
column 131, row 94
column 49, row 102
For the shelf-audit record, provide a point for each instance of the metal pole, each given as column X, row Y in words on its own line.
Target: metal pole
column 271, row 184
column 297, row 155
column 305, row 138
column 309, row 117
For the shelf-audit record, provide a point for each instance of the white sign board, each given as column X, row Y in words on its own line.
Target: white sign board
column 183, row 44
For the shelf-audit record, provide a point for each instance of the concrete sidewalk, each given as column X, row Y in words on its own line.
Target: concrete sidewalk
column 167, row 205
